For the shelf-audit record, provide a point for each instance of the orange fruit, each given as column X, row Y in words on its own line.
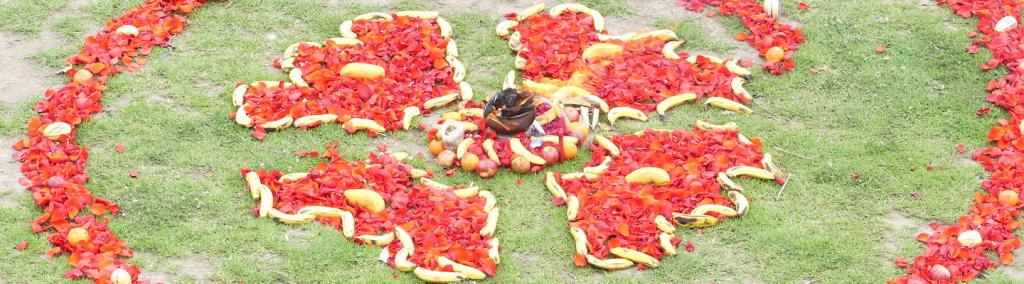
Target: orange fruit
column 774, row 54
column 78, row 236
column 436, row 146
column 1009, row 197
column 452, row 116
column 469, row 162
column 82, row 75
column 579, row 130
column 569, row 151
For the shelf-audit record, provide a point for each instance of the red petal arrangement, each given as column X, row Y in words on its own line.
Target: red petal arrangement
column 54, row 166
column 766, row 32
column 441, row 233
column 620, row 206
column 958, row 251
column 568, row 46
column 384, row 67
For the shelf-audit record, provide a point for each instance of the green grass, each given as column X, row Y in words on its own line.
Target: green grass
column 884, row 116
column 27, row 16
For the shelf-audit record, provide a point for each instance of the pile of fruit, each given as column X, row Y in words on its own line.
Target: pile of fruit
column 54, row 165
column 384, row 70
column 624, row 207
column 959, row 251
column 566, row 55
column 776, row 42
column 441, row 233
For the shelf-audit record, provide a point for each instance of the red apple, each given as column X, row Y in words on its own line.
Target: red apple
column 550, row 154
column 487, row 168
column 446, row 158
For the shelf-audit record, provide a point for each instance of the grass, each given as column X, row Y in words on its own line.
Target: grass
column 884, row 116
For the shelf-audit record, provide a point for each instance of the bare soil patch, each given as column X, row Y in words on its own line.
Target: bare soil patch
column 11, row 192
column 200, row 270
column 901, row 227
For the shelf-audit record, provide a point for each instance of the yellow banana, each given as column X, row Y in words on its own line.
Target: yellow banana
column 440, row 101
column 674, row 101
column 669, row 49
column 472, row 112
column 348, row 224
column 362, row 71
column 266, row 200
column 1004, row 24
column 282, row 123
column 543, row 89
column 578, row 175
column 463, row 147
column 491, row 224
column 488, row 146
column 467, row 192
column 515, row 41
column 727, row 182
column 238, row 96
column 290, row 218
column 520, row 62
column 530, row 11
column 743, row 139
column 466, row 91
column 714, row 59
column 321, row 211
column 600, row 50
column 580, row 238
column 599, row 168
column 626, row 112
column 345, row 29
column 287, row 63
column 408, row 114
column 489, row 200
column 373, row 16
column 493, row 251
column 636, row 256
column 505, row 27
column 741, row 202
column 381, row 240
column 664, row 225
column 728, row 104
column 252, row 182
column 357, row 124
column 405, row 239
column 519, row 149
column 465, row 270
column 241, row 117
column 417, row 173
column 399, row 156
column 707, row 126
column 735, row 68
column 402, row 262
column 434, row 184
column 368, row 199
column 444, row 27
column 623, row 37
column 665, row 239
column 553, row 186
column 316, row 119
column 433, row 276
column 766, row 161
column 572, row 207
column 127, row 30
column 607, row 144
column 565, row 139
column 429, row 15
column 648, row 175
column 458, row 70
column 573, row 95
column 292, row 177
column 750, row 172
column 694, row 221
column 451, row 49
column 120, row 276
column 738, row 89
column 664, row 35
column 720, row 209
column 510, row 80
column 345, row 42
column 609, row 263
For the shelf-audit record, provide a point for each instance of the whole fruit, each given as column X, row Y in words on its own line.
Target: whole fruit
column 550, row 154
column 939, row 273
column 774, row 54
column 78, row 236
column 579, row 130
column 969, row 238
column 520, row 165
column 487, row 168
column 436, row 146
column 469, row 162
column 82, row 75
column 1009, row 197
column 446, row 159
column 573, row 114
column 569, row 151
